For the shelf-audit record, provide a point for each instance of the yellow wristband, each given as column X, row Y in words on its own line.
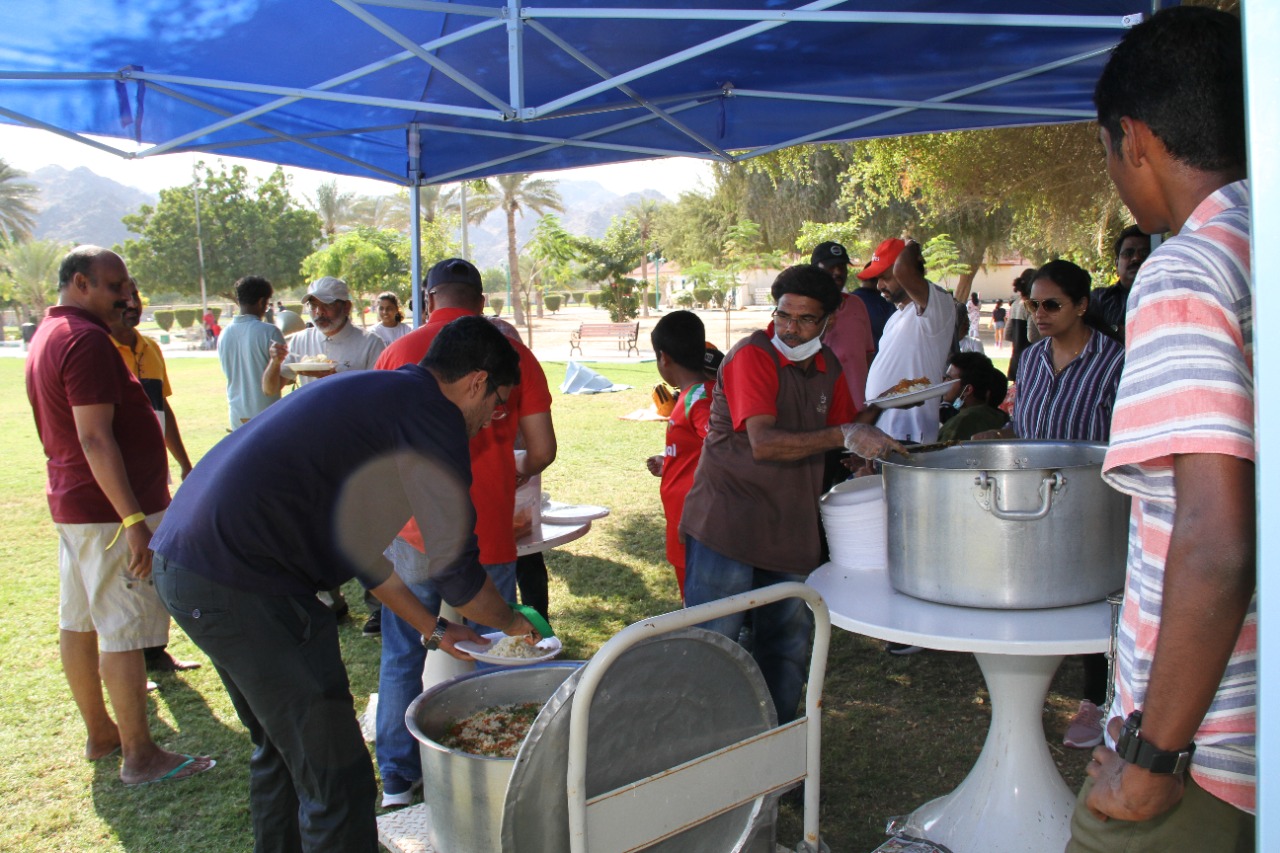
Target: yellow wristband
column 130, row 521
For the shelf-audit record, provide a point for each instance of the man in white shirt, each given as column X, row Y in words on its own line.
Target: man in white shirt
column 331, row 336
column 916, row 339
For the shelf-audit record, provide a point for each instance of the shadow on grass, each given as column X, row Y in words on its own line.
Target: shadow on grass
column 187, row 814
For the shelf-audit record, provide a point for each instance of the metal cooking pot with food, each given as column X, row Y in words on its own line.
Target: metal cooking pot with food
column 1005, row 524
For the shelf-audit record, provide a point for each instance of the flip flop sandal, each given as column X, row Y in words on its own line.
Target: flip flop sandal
column 176, row 773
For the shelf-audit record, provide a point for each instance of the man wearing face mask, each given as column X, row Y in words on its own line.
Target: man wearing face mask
column 916, row 339
column 751, row 519
column 978, row 391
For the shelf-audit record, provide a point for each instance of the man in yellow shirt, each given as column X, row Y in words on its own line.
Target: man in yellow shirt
column 145, row 361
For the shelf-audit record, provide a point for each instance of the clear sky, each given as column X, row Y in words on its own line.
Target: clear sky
column 28, row 149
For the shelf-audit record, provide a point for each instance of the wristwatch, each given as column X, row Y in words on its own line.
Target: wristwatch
column 433, row 642
column 1133, row 749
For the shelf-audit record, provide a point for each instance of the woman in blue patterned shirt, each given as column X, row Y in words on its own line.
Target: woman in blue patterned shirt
column 1067, row 384
column 1067, row 380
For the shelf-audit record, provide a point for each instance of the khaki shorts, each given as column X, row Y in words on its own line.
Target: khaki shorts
column 97, row 594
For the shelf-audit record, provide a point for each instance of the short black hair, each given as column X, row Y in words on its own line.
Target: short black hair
column 251, row 289
column 976, row 369
column 472, row 343
column 1073, row 280
column 1131, row 231
column 1181, row 72
column 807, row 280
column 78, row 260
column 682, row 337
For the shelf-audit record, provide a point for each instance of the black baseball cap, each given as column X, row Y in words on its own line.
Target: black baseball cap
column 455, row 271
column 829, row 252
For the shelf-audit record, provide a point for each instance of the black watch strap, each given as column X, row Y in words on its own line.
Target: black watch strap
column 433, row 642
column 1133, row 749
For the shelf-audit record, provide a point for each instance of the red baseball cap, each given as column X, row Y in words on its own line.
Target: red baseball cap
column 886, row 253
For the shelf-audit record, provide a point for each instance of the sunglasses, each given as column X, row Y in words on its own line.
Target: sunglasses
column 1053, row 306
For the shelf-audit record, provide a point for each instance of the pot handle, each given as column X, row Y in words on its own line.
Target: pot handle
column 988, row 496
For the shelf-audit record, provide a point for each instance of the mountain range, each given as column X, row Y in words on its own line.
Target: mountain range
column 80, row 206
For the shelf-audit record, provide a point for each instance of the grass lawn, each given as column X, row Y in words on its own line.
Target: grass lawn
column 896, row 731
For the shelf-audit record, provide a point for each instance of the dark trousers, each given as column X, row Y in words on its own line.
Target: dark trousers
column 311, row 783
column 531, row 578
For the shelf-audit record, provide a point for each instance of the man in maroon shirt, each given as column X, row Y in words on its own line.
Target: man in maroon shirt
column 107, row 482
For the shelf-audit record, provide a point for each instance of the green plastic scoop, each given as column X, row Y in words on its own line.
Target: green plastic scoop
column 535, row 619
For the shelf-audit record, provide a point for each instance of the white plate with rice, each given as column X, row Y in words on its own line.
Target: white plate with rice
column 514, row 653
column 910, row 398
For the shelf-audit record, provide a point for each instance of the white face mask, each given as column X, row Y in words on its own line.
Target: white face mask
column 805, row 350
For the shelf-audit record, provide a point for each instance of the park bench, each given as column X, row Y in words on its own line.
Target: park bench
column 624, row 334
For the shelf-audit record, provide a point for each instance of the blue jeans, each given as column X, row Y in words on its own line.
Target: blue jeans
column 403, row 658
column 781, row 630
column 311, row 784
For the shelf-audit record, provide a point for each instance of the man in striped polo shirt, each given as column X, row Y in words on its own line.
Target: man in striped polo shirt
column 1182, row 772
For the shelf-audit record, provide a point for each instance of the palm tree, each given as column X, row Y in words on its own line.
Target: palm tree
column 335, row 208
column 645, row 213
column 514, row 194
column 32, row 268
column 17, row 208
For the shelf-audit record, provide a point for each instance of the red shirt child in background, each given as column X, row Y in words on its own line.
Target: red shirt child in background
column 686, row 362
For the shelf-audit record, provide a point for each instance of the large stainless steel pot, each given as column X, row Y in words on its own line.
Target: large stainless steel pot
column 1005, row 524
column 466, row 792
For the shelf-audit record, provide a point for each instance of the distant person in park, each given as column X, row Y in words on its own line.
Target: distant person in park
column 1017, row 326
column 145, row 361
column 391, row 326
column 1182, row 774
column 244, row 351
column 998, row 316
column 334, row 338
column 1108, row 304
column 342, row 465
column 455, row 290
column 687, row 363
column 107, row 489
column 848, row 331
column 975, row 398
column 751, row 519
column 974, row 309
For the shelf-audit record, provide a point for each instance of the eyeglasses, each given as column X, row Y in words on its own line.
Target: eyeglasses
column 1053, row 306
column 1131, row 253
column 804, row 321
column 499, row 408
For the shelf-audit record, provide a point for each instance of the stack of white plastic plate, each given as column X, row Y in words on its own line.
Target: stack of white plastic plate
column 853, row 515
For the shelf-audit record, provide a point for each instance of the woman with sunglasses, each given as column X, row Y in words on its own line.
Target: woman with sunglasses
column 1067, row 384
column 1066, row 380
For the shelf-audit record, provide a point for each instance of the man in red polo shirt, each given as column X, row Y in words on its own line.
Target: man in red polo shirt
column 454, row 289
column 108, row 481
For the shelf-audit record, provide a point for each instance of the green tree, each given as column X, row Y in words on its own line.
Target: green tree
column 29, row 275
column 745, row 250
column 372, row 260
column 257, row 229
column 551, row 250
column 513, row 195
column 646, row 213
column 17, row 204
column 942, row 259
column 609, row 260
column 335, row 208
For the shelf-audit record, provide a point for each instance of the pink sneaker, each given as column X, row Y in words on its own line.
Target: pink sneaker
column 1085, row 729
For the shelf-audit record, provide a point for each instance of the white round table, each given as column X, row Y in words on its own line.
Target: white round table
column 1014, row 799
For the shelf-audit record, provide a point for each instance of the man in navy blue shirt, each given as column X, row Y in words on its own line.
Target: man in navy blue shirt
column 303, row 498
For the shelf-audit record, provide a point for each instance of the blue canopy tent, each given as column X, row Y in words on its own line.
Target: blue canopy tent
column 421, row 91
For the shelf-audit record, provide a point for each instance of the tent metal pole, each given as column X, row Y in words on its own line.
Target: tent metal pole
column 515, row 56
column 1070, row 115
column 415, row 227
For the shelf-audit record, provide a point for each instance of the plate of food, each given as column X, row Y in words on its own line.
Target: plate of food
column 502, row 650
column 313, row 364
column 908, row 392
